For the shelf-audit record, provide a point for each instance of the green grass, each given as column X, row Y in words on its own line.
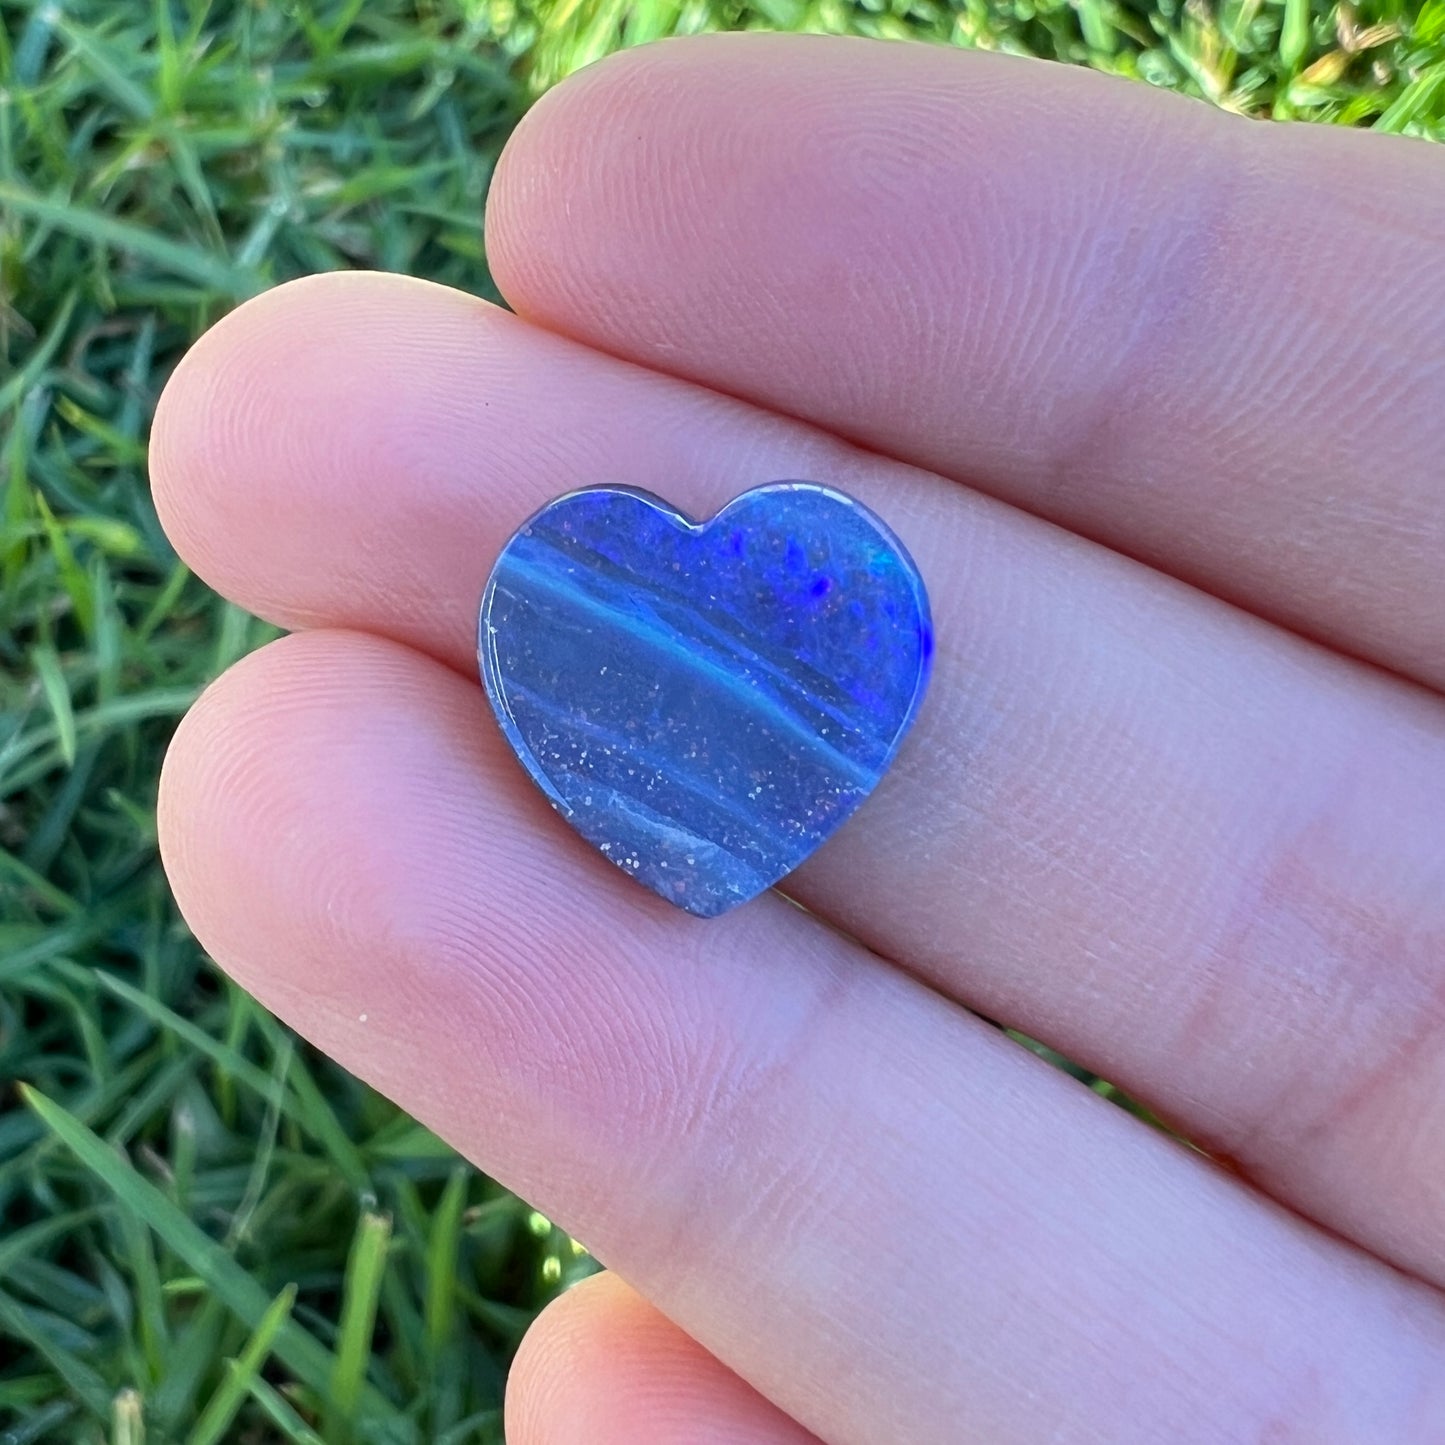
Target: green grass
column 207, row 1232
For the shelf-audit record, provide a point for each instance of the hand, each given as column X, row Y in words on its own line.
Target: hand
column 1182, row 818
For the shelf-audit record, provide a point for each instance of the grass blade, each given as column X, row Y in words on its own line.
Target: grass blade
column 1294, row 35
column 217, row 273
column 311, row 1361
column 57, row 695
column 80, row 1379
column 127, row 1420
column 360, row 1292
column 71, row 573
column 150, row 1309
column 441, row 1263
column 282, row 1414
column 315, row 1113
column 1416, row 101
column 234, row 1064
column 222, row 1407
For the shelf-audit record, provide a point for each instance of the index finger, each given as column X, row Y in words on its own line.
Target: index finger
column 1214, row 346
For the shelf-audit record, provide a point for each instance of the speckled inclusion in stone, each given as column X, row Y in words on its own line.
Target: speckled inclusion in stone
column 705, row 702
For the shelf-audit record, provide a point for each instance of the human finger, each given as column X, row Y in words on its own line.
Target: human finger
column 601, row 1366
column 1195, row 854
column 797, row 1151
column 1142, row 318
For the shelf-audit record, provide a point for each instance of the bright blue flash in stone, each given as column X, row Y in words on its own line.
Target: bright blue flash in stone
column 705, row 702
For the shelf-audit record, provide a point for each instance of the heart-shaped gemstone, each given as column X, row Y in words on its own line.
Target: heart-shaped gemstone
column 705, row 702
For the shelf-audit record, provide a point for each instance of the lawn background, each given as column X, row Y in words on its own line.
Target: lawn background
column 207, row 1232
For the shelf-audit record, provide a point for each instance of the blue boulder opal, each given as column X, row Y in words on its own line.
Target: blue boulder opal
column 705, row 702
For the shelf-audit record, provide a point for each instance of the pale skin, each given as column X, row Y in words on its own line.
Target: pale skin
column 1156, row 397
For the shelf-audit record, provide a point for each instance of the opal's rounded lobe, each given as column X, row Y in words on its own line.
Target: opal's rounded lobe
column 705, row 702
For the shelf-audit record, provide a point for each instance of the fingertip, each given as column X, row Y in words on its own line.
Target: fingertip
column 203, row 739
column 208, row 400
column 250, row 800
column 280, row 387
column 553, row 1372
column 601, row 1366
column 596, row 156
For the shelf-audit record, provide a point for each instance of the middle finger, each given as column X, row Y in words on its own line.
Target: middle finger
column 1189, row 850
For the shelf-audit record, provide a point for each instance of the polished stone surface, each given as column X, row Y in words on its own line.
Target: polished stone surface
column 705, row 702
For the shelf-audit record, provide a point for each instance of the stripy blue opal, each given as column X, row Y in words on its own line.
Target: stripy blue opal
column 705, row 702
